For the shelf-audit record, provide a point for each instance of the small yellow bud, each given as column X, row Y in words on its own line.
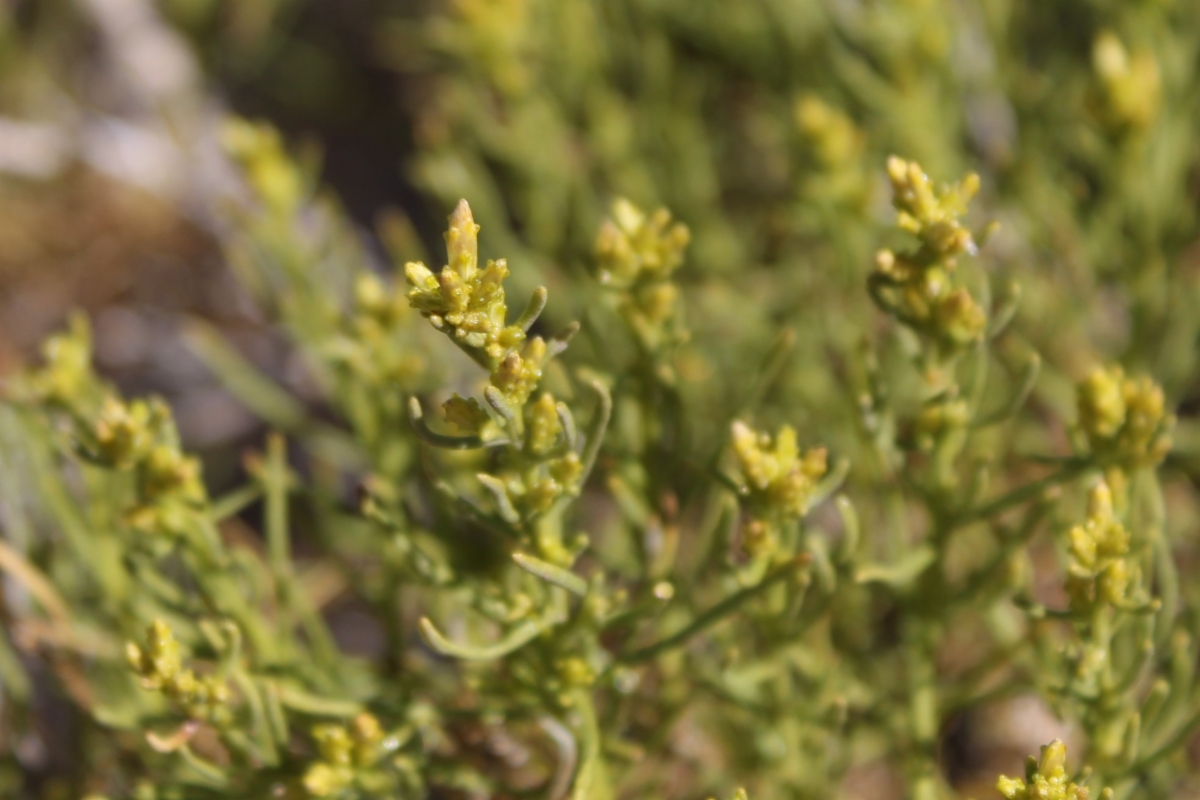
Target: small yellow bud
column 462, row 241
column 1101, row 402
column 542, row 425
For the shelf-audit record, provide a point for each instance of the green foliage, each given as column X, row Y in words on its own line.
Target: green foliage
column 593, row 572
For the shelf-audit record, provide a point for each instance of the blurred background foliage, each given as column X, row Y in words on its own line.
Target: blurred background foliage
column 764, row 125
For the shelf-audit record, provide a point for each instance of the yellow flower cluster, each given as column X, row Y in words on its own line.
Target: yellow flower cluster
column 137, row 436
column 636, row 255
column 465, row 302
column 140, row 436
column 373, row 347
column 917, row 287
column 1099, row 573
column 66, row 378
column 559, row 468
column 345, row 751
column 833, row 138
column 633, row 246
column 497, row 34
column 834, row 145
column 1046, row 779
column 932, row 216
column 260, row 151
column 940, row 418
column 159, row 666
column 1124, row 419
column 778, row 477
column 468, row 304
column 1131, row 86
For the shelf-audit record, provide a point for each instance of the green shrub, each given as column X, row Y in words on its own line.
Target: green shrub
column 763, row 491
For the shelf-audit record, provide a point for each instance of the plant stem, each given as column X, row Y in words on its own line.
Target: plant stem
column 713, row 615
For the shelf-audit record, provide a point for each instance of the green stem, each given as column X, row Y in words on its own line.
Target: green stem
column 279, row 551
column 275, row 477
column 232, row 503
column 715, row 614
column 1073, row 469
column 514, row 640
column 591, row 780
column 1177, row 741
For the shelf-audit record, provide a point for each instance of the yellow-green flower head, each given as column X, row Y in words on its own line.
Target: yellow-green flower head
column 1124, row 418
column 346, row 755
column 327, row 780
column 1131, row 86
column 517, row 376
column 776, row 474
column 464, row 301
column 67, row 375
column 334, row 744
column 636, row 255
column 575, row 672
column 1046, row 779
column 932, row 216
column 160, row 661
column 833, row 137
column 1101, row 402
column 375, row 301
column 159, row 666
column 533, row 490
column 940, row 418
column 917, row 287
column 466, row 414
column 367, row 735
column 496, row 32
column 542, row 425
column 958, row 318
column 1098, row 572
column 258, row 148
column 633, row 247
column 122, row 433
column 168, row 472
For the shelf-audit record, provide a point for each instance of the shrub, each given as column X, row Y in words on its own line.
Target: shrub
column 753, row 492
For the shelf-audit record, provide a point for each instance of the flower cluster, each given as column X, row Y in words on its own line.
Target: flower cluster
column 937, row 419
column 274, row 177
column 1124, row 419
column 496, row 33
column 136, row 437
column 778, row 479
column 917, row 287
column 66, row 378
column 374, row 345
column 1130, row 86
column 636, row 255
column 834, row 145
column 833, row 138
column 1046, row 779
column 159, row 666
column 140, row 437
column 349, row 758
column 464, row 301
column 540, row 463
column 1099, row 572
